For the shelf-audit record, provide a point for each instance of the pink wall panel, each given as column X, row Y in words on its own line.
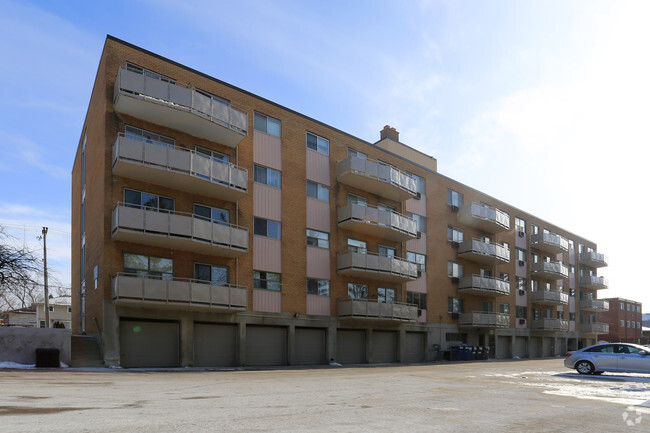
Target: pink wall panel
column 267, row 150
column 417, row 245
column 267, row 300
column 267, row 202
column 417, row 206
column 267, row 254
column 318, row 167
column 318, row 305
column 419, row 285
column 318, row 215
column 318, row 263
column 423, row 316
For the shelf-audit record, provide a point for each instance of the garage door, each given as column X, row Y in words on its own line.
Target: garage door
column 503, row 347
column 415, row 342
column 560, row 348
column 521, row 347
column 384, row 346
column 350, row 346
column 310, row 346
column 548, row 348
column 149, row 343
column 535, row 347
column 215, row 345
column 266, row 345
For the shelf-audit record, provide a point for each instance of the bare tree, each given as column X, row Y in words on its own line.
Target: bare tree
column 19, row 270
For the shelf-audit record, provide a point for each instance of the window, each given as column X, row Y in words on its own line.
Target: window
column 318, row 191
column 520, row 224
column 268, row 228
column 51, row 308
column 534, row 229
column 521, row 312
column 42, row 324
column 319, row 144
column 581, row 248
column 485, row 273
column 209, row 273
column 419, row 299
column 318, row 287
column 504, row 276
column 572, row 269
column 521, row 254
column 454, row 198
column 267, row 125
column 622, row 306
column 357, row 199
column 628, row 307
column 385, row 207
column 357, row 291
column 420, row 259
column 547, row 287
column 386, row 251
column 456, row 337
column 69, row 309
column 213, row 214
column 143, row 200
column 420, row 221
column 633, row 322
column 534, row 285
column 454, row 234
column 318, row 239
column 628, row 324
column 147, row 73
column 572, row 244
column 420, row 183
column 485, row 307
column 454, row 270
column 454, row 305
column 560, row 315
column 267, row 176
column 355, row 246
column 142, row 266
column 386, row 296
column 572, row 292
column 212, row 154
column 267, row 280
column 521, row 283
column 622, row 323
column 572, row 317
column 534, row 257
column 504, row 308
column 353, row 153
column 148, row 137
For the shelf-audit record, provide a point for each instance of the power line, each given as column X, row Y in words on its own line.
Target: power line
column 36, row 229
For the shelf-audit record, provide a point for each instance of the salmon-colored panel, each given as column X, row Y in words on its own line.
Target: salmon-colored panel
column 267, row 202
column 572, row 326
column 267, row 300
column 318, row 167
column 423, row 316
column 417, row 206
column 419, row 285
column 417, row 245
column 267, row 254
column 267, row 150
column 318, row 215
column 318, row 305
column 318, row 263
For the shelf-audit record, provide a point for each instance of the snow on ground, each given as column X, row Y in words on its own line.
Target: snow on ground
column 17, row 366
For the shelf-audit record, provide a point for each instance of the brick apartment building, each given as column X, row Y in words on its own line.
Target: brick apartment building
column 213, row 227
column 625, row 321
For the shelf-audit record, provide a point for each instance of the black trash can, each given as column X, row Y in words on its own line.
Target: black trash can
column 436, row 347
column 47, row 358
column 454, row 355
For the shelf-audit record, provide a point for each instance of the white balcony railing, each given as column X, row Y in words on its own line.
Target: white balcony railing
column 549, row 297
column 484, row 320
column 375, row 266
column 481, row 251
column 485, row 217
column 558, row 325
column 380, row 222
column 593, row 259
column 594, row 305
column 372, row 309
column 377, row 177
column 551, row 270
column 484, row 285
column 594, row 328
column 593, row 282
column 550, row 242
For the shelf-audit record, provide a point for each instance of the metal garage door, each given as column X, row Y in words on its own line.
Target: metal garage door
column 384, row 346
column 521, row 347
column 350, row 346
column 310, row 346
column 215, row 345
column 535, row 347
column 266, row 345
column 149, row 343
column 415, row 342
column 548, row 349
column 503, row 347
column 560, row 348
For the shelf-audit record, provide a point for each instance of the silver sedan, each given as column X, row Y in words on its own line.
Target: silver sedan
column 614, row 357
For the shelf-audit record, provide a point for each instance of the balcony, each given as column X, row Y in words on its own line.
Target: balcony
column 374, row 310
column 549, row 297
column 381, row 223
column 484, row 252
column 555, row 325
column 484, row 286
column 178, row 168
column 376, row 177
column 549, row 243
column 179, row 106
column 593, row 259
column 594, row 305
column 549, row 270
column 594, row 328
column 484, row 320
column 485, row 218
column 376, row 267
column 179, row 231
column 593, row 282
column 131, row 289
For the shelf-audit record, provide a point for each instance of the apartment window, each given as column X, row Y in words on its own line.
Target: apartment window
column 572, row 317
column 534, row 229
column 534, row 285
column 147, row 73
column 213, row 214
column 355, row 246
column 386, row 296
column 357, row 291
column 148, row 137
column 622, row 323
column 534, row 257
column 385, row 207
column 210, row 273
column 547, row 287
column 520, row 225
column 353, row 153
column 622, row 306
column 572, row 269
column 386, row 251
column 420, row 221
column 157, row 268
column 521, row 254
column 212, row 154
column 267, row 125
column 319, row 144
column 560, row 315
column 638, row 325
column 521, row 283
column 633, row 322
column 42, row 324
column 357, row 199
column 144, row 200
column 318, row 239
column 485, row 307
column 572, row 292
column 572, row 244
column 521, row 312
column 485, row 273
column 420, row 183
column 449, row 336
column 454, row 198
column 268, row 228
column 628, row 324
column 454, row 234
column 581, row 248
column 420, row 259
column 318, row 287
column 628, row 307
column 267, row 280
column 51, row 308
column 419, row 299
column 504, row 308
column 638, row 308
column 454, row 269
column 267, row 176
column 454, row 305
column 318, row 191
column 504, row 276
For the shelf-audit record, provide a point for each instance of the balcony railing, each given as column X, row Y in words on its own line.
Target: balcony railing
column 549, row 297
column 593, row 259
column 594, row 305
column 372, row 309
column 549, row 242
column 593, row 282
column 557, row 325
column 484, row 286
column 179, row 106
column 549, row 270
column 381, row 223
column 177, row 291
column 376, row 267
column 376, row 177
column 179, row 168
column 177, row 230
column 484, row 320
column 484, row 252
column 485, row 218
column 594, row 328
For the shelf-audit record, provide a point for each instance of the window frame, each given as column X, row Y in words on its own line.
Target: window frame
column 264, row 225
column 261, row 123
column 261, row 176
column 261, row 278
column 317, row 139
column 322, row 191
column 319, row 240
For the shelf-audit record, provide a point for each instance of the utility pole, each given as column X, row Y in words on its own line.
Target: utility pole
column 47, row 295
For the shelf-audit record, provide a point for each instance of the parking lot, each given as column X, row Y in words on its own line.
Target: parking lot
column 495, row 396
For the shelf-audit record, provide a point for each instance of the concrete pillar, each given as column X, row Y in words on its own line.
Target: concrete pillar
column 111, row 336
column 187, row 341
column 401, row 341
column 331, row 343
column 241, row 344
column 291, row 345
column 368, row 344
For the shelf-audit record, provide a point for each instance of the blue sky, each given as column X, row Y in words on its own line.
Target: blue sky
column 542, row 104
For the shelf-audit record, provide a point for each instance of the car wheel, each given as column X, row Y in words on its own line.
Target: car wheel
column 585, row 367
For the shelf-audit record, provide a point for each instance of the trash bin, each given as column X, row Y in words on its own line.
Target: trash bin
column 486, row 352
column 463, row 353
column 455, row 353
column 474, row 355
column 47, row 358
column 436, row 347
column 478, row 354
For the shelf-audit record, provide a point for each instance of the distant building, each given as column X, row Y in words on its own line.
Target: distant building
column 60, row 313
column 22, row 317
column 624, row 318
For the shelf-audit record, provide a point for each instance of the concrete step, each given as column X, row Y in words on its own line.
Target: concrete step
column 85, row 351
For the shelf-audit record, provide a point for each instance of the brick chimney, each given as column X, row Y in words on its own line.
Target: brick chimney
column 389, row 132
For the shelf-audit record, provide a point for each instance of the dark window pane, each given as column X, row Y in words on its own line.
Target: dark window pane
column 273, row 229
column 312, row 142
column 260, row 226
column 260, row 174
column 202, row 212
column 166, row 204
column 132, row 198
column 201, row 272
column 260, row 122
